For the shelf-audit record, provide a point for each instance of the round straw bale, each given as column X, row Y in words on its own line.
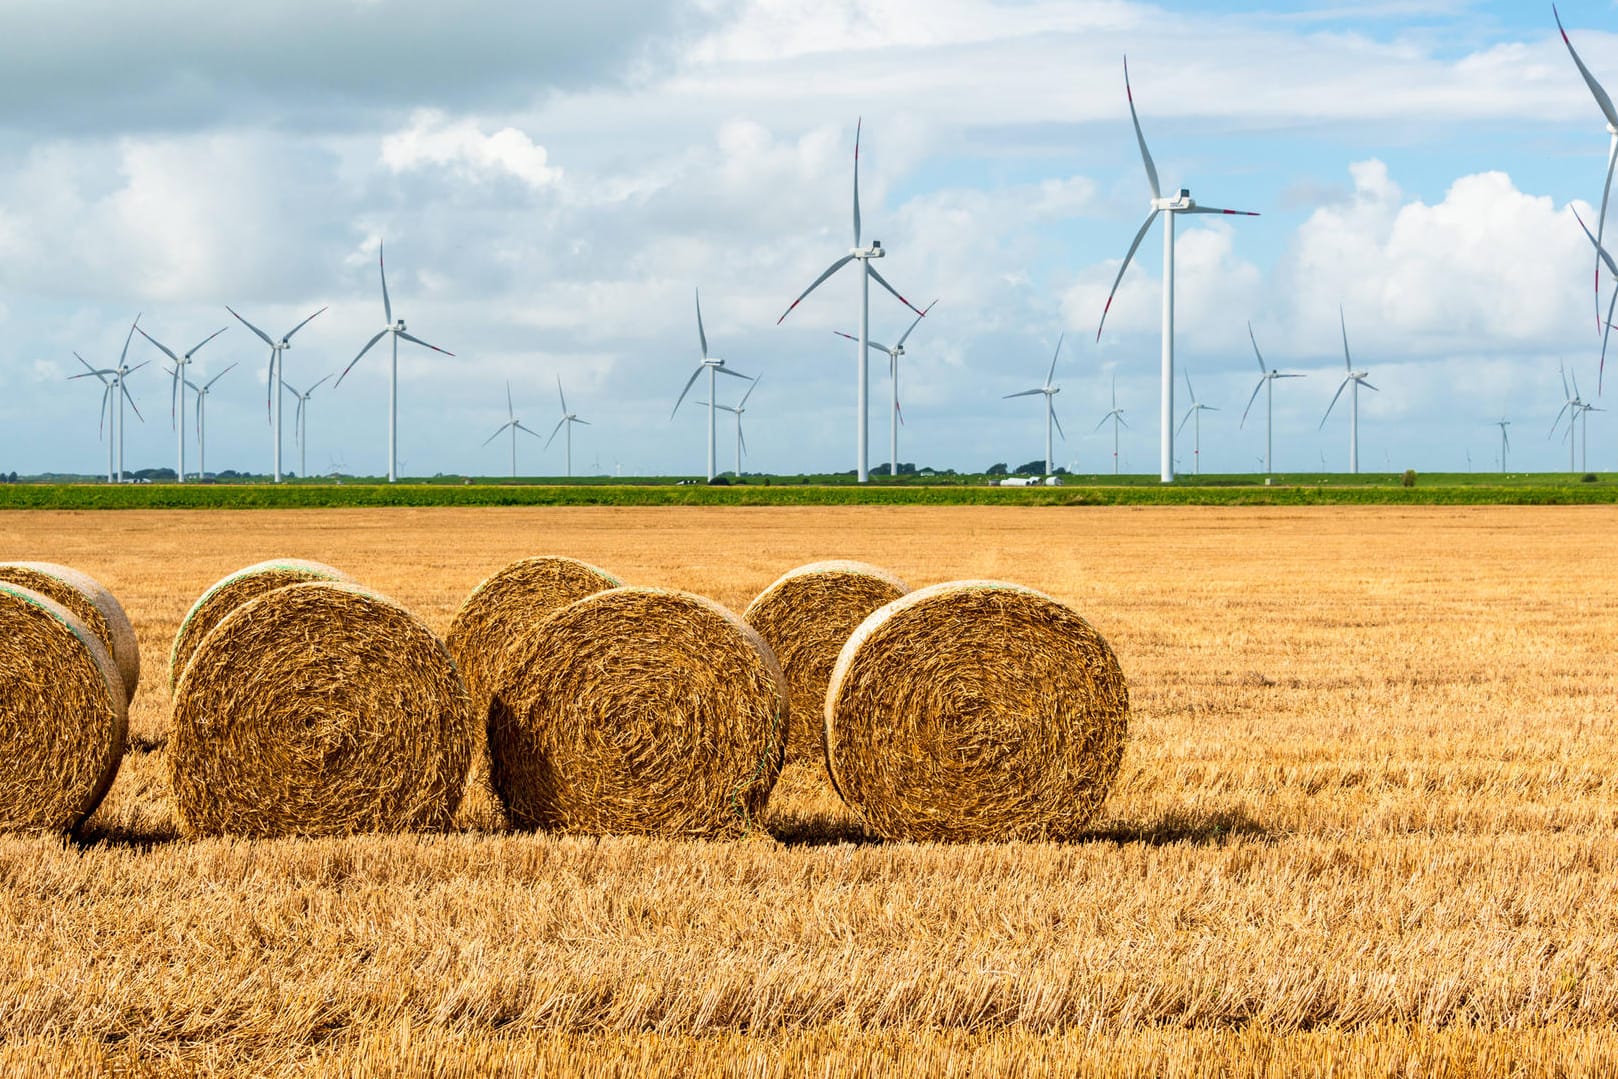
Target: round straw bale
column 638, row 711
column 63, row 718
column 805, row 617
column 503, row 608
column 230, row 592
column 92, row 604
column 975, row 710
column 319, row 709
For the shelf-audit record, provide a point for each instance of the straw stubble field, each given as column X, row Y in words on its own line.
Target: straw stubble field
column 1365, row 825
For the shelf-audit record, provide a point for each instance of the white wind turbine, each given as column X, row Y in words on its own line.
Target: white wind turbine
column 714, row 366
column 1573, row 408
column 1610, row 114
column 1117, row 418
column 1356, row 379
column 119, row 390
column 202, row 393
column 272, row 400
column 177, row 392
column 1505, row 440
column 1049, row 392
column 1266, row 382
column 299, row 419
column 106, row 392
column 513, row 424
column 397, row 330
column 568, row 420
column 1181, row 203
column 894, row 354
column 864, row 255
column 1197, row 409
column 738, row 411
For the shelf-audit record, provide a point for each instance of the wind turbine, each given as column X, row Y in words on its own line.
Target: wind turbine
column 272, row 400
column 202, row 393
column 1572, row 408
column 514, row 425
column 568, row 420
column 894, row 354
column 1181, row 203
column 737, row 411
column 106, row 396
column 1197, row 409
column 1357, row 379
column 1117, row 418
column 119, row 390
column 1266, row 382
column 1049, row 391
column 397, row 330
column 1585, row 408
column 299, row 419
column 714, row 366
column 1604, row 103
column 864, row 255
column 1505, row 440
column 177, row 392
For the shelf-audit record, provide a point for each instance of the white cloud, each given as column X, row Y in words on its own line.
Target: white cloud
column 462, row 146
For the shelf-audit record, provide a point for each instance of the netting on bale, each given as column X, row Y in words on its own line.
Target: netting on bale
column 235, row 589
column 976, row 710
column 92, row 603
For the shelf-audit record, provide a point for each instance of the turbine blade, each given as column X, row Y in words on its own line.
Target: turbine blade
column 1145, row 154
column 1219, row 210
column 575, row 419
column 1189, row 391
column 743, row 402
column 1024, row 393
column 131, row 401
column 833, row 268
column 858, row 126
column 424, row 344
column 884, row 283
column 1334, row 398
column 723, row 370
column 301, row 325
column 1368, row 386
column 1133, row 247
column 262, row 335
column 204, row 341
column 124, row 355
column 741, row 436
column 221, row 375
column 1348, row 364
column 1184, row 421
column 873, row 344
column 1250, row 401
column 702, row 335
column 1052, row 372
column 560, row 396
column 1602, row 100
column 106, row 397
column 916, row 322
column 528, row 430
column 688, row 384
column 387, row 304
column 497, row 433
column 1601, row 219
column 559, row 425
column 1601, row 252
column 164, row 347
column 316, row 386
column 1057, row 420
column 356, row 359
column 1256, row 352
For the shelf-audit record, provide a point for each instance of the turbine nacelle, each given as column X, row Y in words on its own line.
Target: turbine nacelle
column 873, row 252
column 1178, row 203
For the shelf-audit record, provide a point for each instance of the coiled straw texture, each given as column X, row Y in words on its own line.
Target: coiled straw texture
column 231, row 591
column 91, row 603
column 639, row 711
column 976, row 710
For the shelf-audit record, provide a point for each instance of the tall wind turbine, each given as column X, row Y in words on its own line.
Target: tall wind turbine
column 299, row 419
column 177, row 391
column 1181, row 203
column 202, row 393
column 1610, row 114
column 1197, row 409
column 1117, row 418
column 738, row 410
column 1049, row 392
column 1266, row 382
column 895, row 415
column 108, row 384
column 863, row 255
column 1356, row 379
column 397, row 330
column 119, row 389
column 714, row 366
column 1505, row 440
column 513, row 424
column 568, row 420
column 272, row 400
column 1572, row 408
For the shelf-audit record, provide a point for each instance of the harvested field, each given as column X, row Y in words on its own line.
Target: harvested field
column 1367, row 818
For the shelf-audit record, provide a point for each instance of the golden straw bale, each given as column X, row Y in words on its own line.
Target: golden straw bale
column 975, row 710
column 638, row 711
column 503, row 608
column 319, row 709
column 92, row 604
column 63, row 718
column 230, row 592
column 806, row 617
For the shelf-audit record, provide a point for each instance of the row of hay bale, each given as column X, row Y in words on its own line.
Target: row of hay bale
column 306, row 704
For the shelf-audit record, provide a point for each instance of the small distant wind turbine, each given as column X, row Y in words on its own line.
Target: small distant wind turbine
column 714, row 366
column 894, row 354
column 1117, row 418
column 1182, row 203
column 864, row 255
column 1356, row 379
column 1573, row 408
column 108, row 384
column 738, row 410
column 1197, row 409
column 119, row 391
column 1610, row 114
column 513, row 424
column 272, row 400
column 177, row 392
column 1266, row 382
column 1505, row 440
column 568, row 420
column 300, row 419
column 1049, row 392
column 397, row 330
column 202, row 410
column 1585, row 409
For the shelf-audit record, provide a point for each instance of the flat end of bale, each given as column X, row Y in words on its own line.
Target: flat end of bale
column 92, row 603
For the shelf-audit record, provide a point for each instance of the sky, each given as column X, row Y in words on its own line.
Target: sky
column 553, row 182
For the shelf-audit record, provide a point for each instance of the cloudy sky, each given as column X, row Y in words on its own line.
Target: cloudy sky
column 553, row 181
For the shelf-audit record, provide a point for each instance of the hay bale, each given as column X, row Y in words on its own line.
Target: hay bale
column 91, row 603
column 230, row 592
column 319, row 709
column 806, row 617
column 63, row 718
column 638, row 711
column 975, row 711
column 505, row 606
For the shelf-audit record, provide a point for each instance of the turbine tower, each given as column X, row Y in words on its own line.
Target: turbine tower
column 1505, row 440
column 1610, row 114
column 738, row 410
column 864, row 255
column 1049, row 392
column 1197, row 409
column 1180, row 203
column 1356, row 379
column 202, row 392
column 714, row 366
column 894, row 354
column 299, row 419
column 514, row 425
column 177, row 391
column 1117, row 418
column 272, row 400
column 1266, row 382
column 397, row 330
column 568, row 420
